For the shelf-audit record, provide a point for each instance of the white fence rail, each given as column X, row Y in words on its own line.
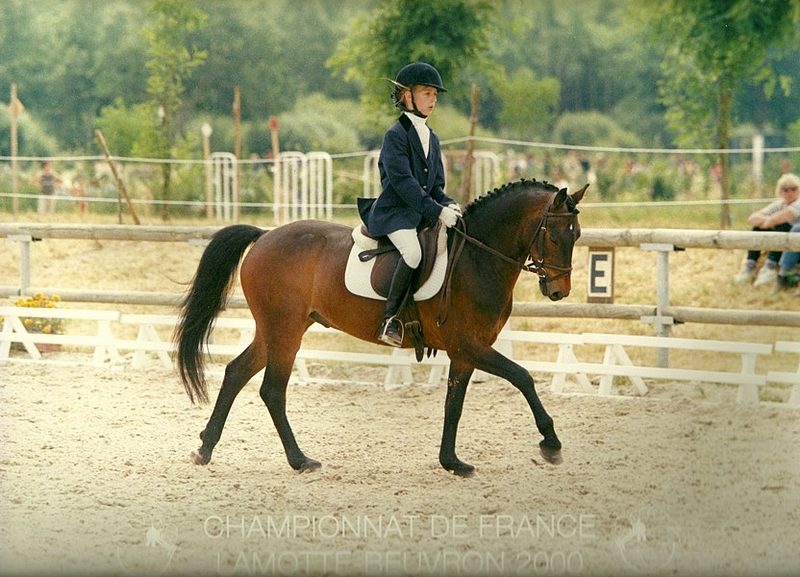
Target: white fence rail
column 615, row 362
column 154, row 331
column 662, row 311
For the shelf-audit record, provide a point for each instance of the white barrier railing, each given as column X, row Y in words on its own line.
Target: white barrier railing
column 787, row 377
column 25, row 234
column 615, row 362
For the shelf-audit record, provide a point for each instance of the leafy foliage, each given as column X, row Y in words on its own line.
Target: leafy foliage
column 450, row 34
column 528, row 104
column 32, row 136
column 592, row 129
column 73, row 59
column 714, row 47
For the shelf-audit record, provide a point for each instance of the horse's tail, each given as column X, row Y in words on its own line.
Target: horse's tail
column 204, row 300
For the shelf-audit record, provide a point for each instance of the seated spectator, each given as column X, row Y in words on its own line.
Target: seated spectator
column 778, row 216
column 788, row 271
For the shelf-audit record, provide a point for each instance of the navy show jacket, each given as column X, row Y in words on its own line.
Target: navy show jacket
column 412, row 185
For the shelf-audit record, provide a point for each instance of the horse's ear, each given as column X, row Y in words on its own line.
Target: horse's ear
column 578, row 196
column 560, row 197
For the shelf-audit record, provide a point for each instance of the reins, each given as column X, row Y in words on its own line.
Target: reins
column 537, row 266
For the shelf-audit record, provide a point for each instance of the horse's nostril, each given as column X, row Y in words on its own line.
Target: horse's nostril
column 556, row 296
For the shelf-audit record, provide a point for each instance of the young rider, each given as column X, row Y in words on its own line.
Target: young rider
column 412, row 182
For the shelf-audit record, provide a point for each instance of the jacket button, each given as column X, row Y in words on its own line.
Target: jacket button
column 424, row 187
column 425, row 170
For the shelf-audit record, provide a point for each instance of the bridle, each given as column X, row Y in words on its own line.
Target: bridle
column 527, row 263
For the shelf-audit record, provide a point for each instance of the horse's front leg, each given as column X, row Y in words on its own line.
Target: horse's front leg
column 489, row 360
column 457, row 381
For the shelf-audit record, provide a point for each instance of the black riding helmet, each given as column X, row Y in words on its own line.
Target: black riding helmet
column 411, row 74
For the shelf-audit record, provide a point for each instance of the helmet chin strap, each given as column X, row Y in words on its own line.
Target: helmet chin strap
column 415, row 110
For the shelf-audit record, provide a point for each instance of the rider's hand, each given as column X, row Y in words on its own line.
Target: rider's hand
column 456, row 208
column 448, row 217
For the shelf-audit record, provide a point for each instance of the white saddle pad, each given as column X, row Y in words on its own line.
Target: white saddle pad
column 357, row 273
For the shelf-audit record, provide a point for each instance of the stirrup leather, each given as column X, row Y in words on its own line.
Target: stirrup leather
column 394, row 340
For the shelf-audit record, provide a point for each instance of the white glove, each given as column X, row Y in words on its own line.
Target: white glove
column 448, row 217
column 456, row 208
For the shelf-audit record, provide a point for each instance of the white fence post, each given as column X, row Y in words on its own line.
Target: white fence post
column 320, row 184
column 224, row 165
column 485, row 171
column 371, row 175
column 291, row 187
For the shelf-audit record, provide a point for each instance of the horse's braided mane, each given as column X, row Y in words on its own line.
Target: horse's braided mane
column 508, row 187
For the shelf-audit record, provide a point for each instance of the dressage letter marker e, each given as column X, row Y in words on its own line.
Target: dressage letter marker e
column 601, row 276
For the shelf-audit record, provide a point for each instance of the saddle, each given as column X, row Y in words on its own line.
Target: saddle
column 386, row 256
column 433, row 241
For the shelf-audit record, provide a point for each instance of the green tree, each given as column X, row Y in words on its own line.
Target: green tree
column 170, row 63
column 450, row 34
column 713, row 48
column 128, row 130
column 592, row 129
column 528, row 104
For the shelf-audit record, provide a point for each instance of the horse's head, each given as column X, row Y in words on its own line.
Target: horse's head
column 529, row 224
column 551, row 247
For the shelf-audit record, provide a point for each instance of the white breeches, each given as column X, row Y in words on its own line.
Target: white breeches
column 407, row 243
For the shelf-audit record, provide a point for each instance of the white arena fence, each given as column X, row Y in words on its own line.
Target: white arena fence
column 568, row 373
column 106, row 344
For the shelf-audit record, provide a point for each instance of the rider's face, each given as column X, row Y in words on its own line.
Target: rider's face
column 424, row 98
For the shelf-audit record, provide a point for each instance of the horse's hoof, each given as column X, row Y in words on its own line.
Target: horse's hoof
column 460, row 469
column 199, row 459
column 308, row 466
column 551, row 455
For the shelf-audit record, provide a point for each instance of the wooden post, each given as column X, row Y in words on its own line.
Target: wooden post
column 15, row 108
column 725, row 106
column 120, row 184
column 468, row 160
column 273, row 133
column 237, row 147
column 205, row 131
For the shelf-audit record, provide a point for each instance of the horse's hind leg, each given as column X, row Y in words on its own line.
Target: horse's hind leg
column 237, row 373
column 273, row 393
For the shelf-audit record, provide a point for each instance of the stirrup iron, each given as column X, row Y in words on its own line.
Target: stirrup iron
column 390, row 339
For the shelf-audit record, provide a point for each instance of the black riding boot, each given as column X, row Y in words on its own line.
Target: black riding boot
column 390, row 331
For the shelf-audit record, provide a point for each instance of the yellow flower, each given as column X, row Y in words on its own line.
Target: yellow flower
column 41, row 325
